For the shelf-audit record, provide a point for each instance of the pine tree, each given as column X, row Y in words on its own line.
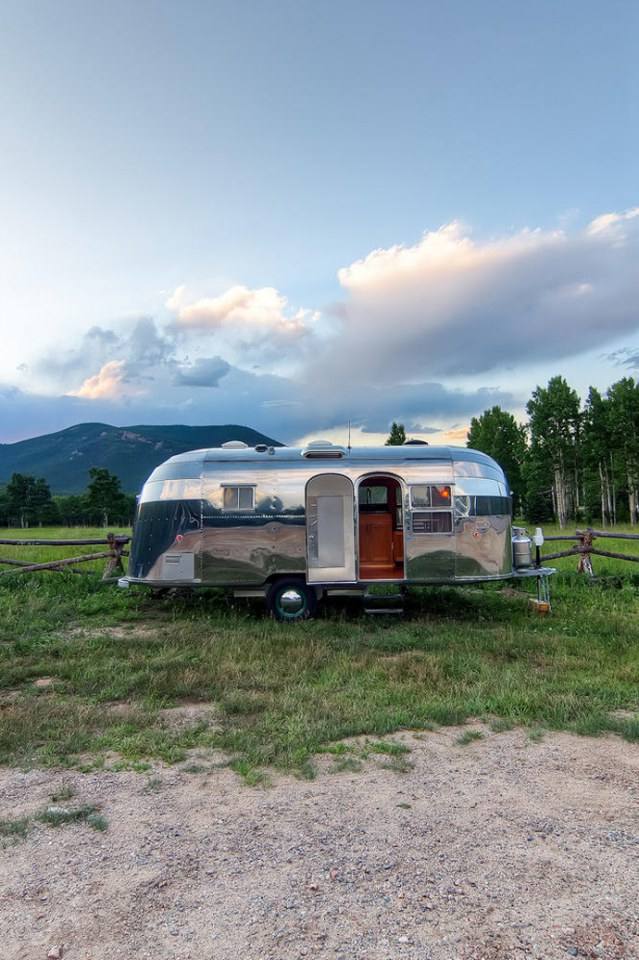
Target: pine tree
column 555, row 432
column 29, row 501
column 397, row 435
column 598, row 476
column 104, row 497
column 623, row 439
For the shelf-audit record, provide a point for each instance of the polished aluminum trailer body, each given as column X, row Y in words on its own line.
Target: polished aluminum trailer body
column 242, row 518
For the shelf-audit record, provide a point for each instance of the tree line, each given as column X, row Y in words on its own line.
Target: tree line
column 27, row 501
column 572, row 460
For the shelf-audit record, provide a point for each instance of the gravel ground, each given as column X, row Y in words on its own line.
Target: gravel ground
column 503, row 848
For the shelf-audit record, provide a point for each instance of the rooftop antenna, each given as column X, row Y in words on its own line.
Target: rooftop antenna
column 349, row 434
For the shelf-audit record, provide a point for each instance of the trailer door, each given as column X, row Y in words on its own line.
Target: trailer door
column 330, row 529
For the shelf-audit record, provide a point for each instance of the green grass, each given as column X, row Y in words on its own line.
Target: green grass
column 501, row 725
column 285, row 692
column 13, row 830
column 388, row 747
column 536, row 735
column 56, row 816
column 346, row 764
column 66, row 792
column 398, row 765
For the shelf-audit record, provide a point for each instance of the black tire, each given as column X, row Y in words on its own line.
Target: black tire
column 286, row 609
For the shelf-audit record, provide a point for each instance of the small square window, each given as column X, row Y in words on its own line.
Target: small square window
column 373, row 495
column 440, row 496
column 430, row 495
column 420, row 495
column 239, row 497
column 246, row 498
column 231, row 496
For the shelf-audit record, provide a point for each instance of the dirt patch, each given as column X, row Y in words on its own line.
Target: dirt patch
column 181, row 717
column 624, row 714
column 499, row 850
column 9, row 696
column 121, row 632
column 188, row 715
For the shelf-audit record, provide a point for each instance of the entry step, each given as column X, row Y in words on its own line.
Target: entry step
column 383, row 610
column 384, row 603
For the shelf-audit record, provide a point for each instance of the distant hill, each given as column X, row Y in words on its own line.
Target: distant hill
column 65, row 458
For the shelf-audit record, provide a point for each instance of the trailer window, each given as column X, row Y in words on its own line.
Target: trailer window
column 373, row 495
column 430, row 495
column 239, row 497
column 433, row 521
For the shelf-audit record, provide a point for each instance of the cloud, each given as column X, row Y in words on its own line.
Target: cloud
column 109, row 383
column 139, row 343
column 414, row 323
column 450, row 305
column 608, row 223
column 624, row 357
column 204, row 372
column 279, row 406
column 263, row 311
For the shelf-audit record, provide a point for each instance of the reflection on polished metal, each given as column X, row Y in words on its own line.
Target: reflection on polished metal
column 292, row 601
column 197, row 523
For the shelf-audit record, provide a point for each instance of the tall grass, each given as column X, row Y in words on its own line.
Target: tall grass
column 282, row 692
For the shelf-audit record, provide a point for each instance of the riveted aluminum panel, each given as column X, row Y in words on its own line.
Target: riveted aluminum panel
column 247, row 547
column 482, row 529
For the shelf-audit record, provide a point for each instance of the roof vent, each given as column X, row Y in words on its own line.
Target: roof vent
column 235, row 445
column 323, row 450
column 415, row 443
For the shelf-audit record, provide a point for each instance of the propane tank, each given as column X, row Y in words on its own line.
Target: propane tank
column 522, row 556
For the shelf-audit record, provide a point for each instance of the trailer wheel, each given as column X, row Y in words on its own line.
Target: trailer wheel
column 290, row 600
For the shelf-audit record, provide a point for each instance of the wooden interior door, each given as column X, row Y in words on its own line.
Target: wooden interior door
column 376, row 539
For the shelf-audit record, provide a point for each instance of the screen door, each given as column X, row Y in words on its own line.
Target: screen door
column 330, row 529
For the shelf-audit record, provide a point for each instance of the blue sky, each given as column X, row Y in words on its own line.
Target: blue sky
column 248, row 155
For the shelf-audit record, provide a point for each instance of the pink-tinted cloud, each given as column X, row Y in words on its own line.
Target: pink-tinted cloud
column 109, row 383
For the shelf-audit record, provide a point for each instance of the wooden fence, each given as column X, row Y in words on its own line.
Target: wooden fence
column 115, row 543
column 585, row 548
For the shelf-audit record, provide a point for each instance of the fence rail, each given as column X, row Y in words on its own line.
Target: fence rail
column 584, row 548
column 115, row 543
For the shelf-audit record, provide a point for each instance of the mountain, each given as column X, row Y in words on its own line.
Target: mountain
column 65, row 458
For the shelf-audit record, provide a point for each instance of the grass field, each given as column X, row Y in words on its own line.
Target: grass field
column 89, row 674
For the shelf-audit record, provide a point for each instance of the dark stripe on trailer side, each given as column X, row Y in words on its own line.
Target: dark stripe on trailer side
column 486, row 506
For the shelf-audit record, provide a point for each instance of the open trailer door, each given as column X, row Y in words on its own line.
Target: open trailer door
column 330, row 529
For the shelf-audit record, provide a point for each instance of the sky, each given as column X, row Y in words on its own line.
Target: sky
column 293, row 214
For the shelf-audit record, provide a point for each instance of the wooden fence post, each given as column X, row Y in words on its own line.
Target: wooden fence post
column 115, row 559
column 585, row 558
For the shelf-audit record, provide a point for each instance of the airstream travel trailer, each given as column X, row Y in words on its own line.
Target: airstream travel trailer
column 294, row 525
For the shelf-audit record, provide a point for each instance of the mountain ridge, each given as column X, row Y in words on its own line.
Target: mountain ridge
column 65, row 457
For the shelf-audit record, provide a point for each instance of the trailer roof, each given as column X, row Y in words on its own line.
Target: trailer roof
column 397, row 454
